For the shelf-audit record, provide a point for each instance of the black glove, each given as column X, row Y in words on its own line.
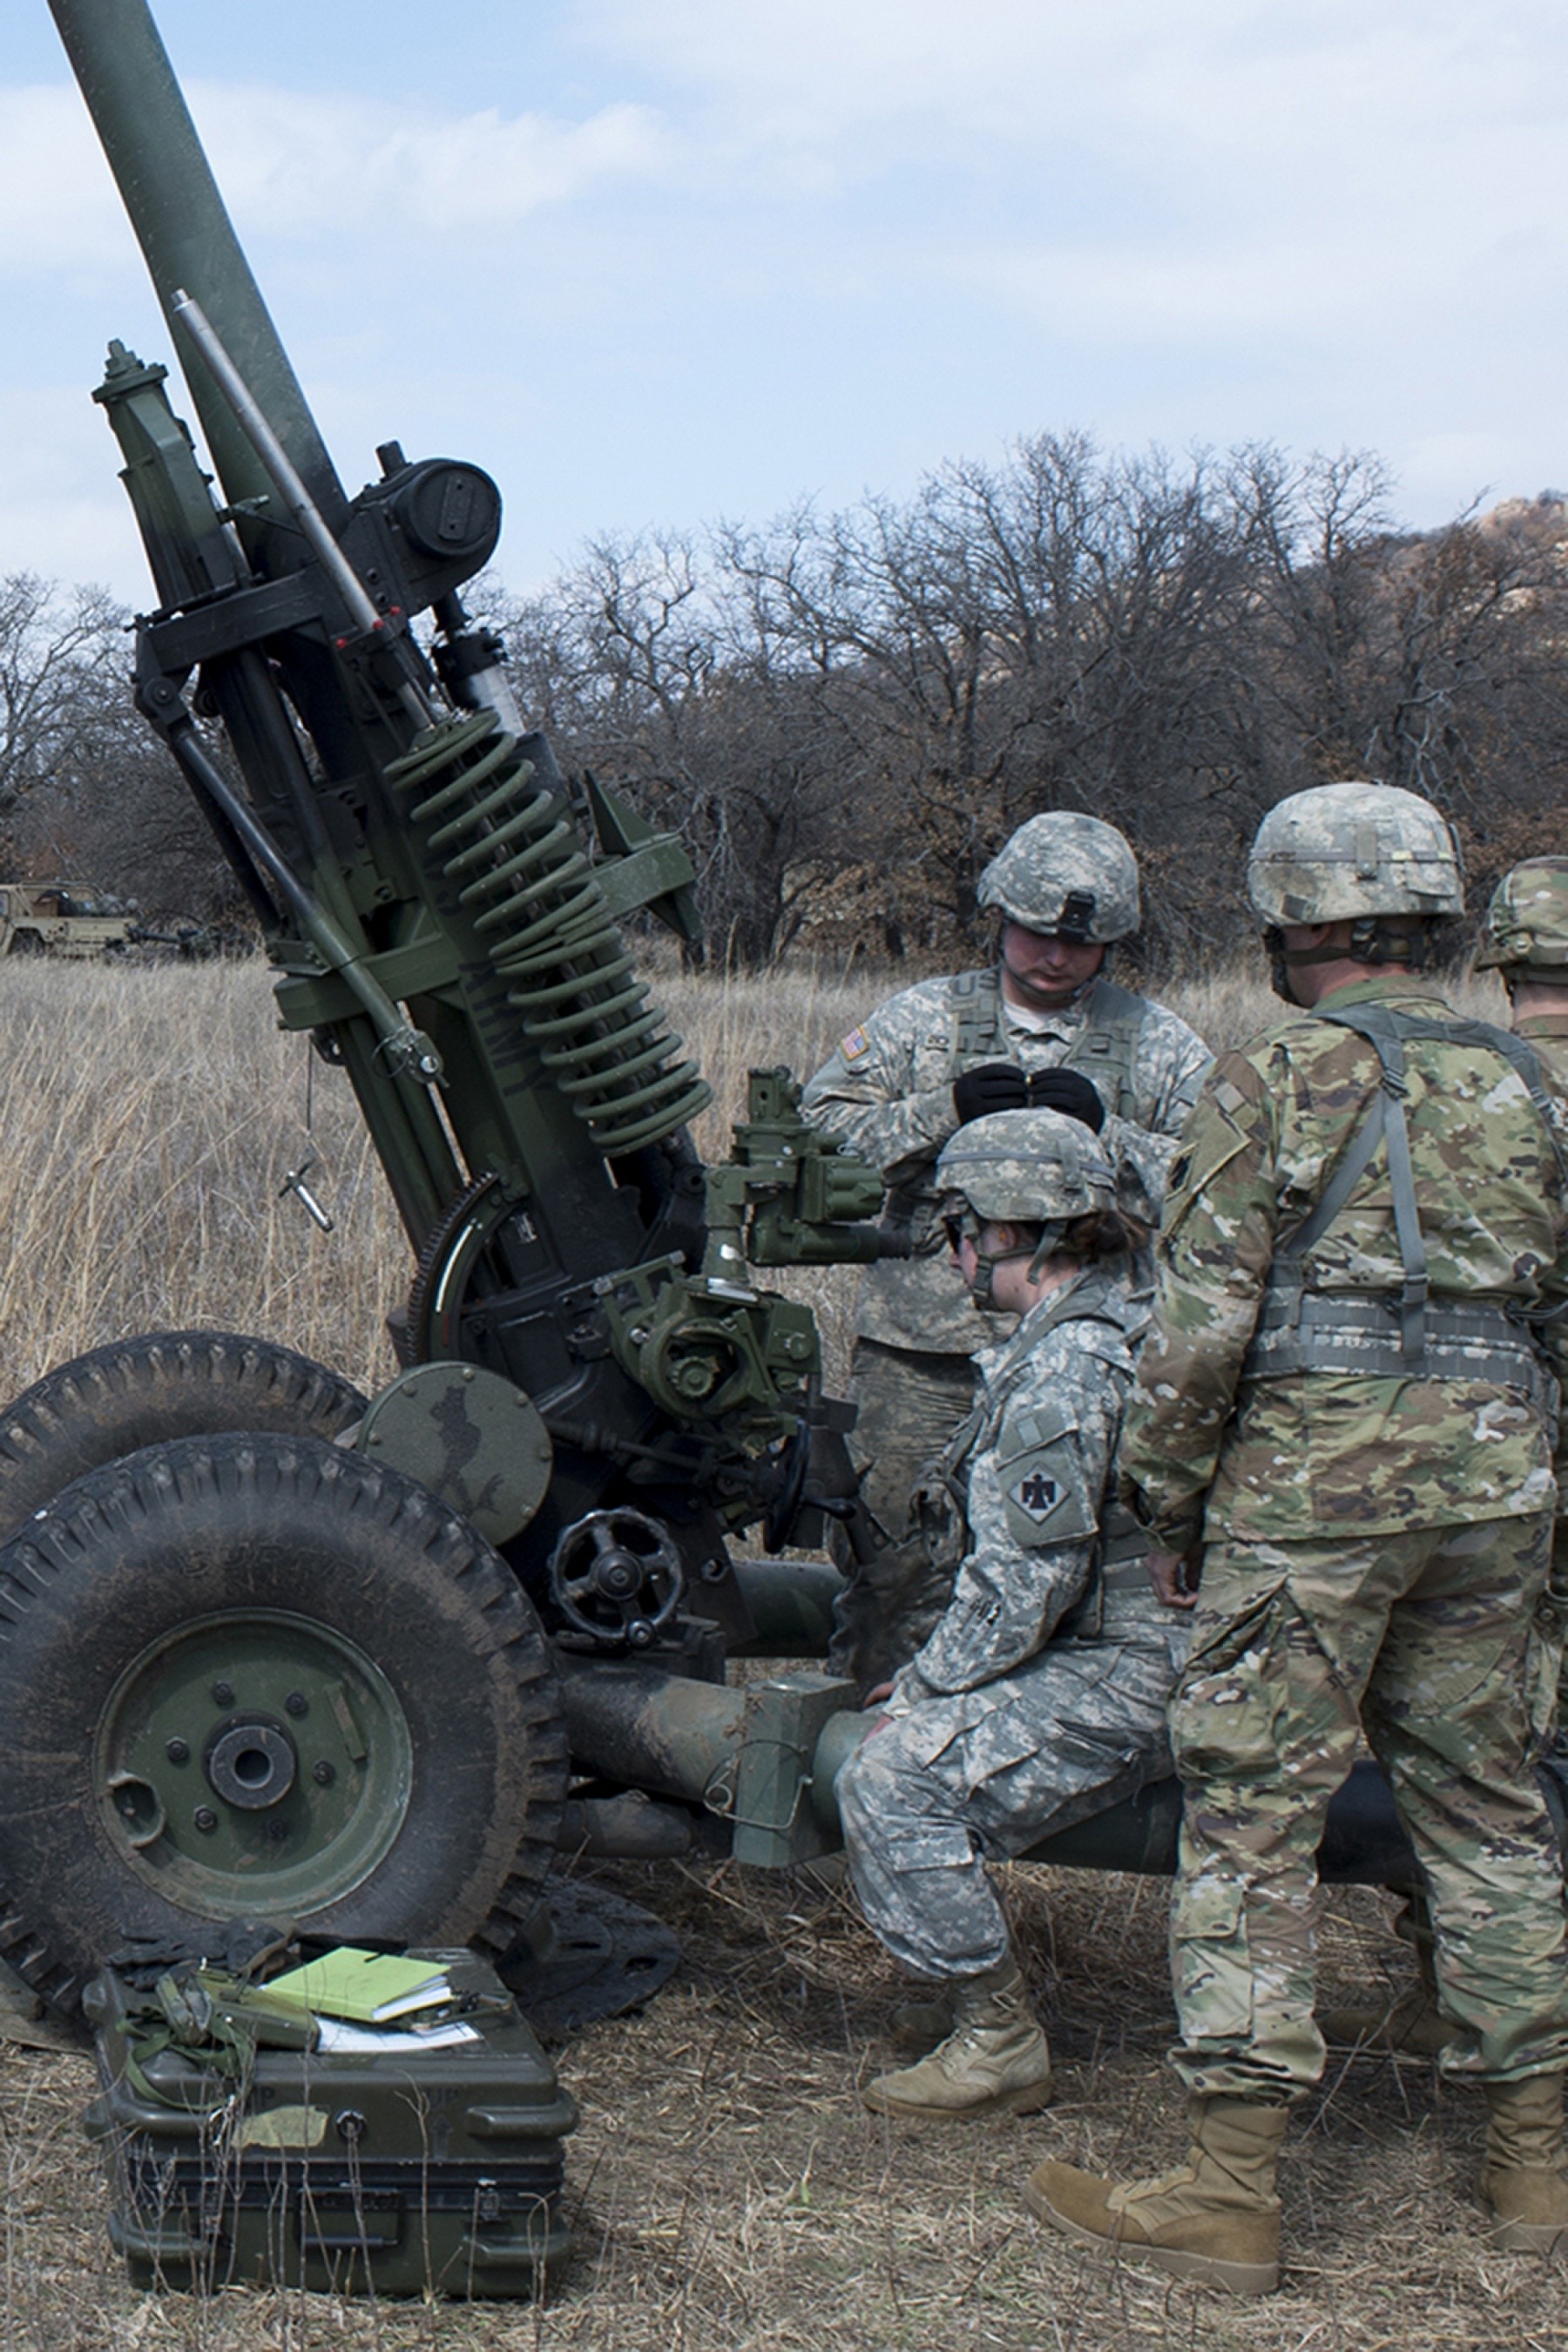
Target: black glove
column 995, row 1085
column 1069, row 1092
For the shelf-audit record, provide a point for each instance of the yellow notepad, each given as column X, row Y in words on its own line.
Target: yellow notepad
column 368, row 1987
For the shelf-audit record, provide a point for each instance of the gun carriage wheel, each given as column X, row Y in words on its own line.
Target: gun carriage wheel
column 143, row 1391
column 257, row 1676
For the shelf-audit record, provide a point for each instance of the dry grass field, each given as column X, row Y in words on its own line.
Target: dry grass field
column 729, row 2192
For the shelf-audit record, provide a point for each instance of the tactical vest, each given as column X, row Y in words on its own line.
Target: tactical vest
column 1106, row 1051
column 1404, row 1334
column 942, row 1513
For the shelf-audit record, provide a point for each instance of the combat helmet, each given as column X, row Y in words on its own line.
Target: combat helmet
column 1527, row 922
column 1342, row 851
column 1067, row 874
column 1034, row 1168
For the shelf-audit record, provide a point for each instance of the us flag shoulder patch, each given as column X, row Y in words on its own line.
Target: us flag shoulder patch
column 854, row 1047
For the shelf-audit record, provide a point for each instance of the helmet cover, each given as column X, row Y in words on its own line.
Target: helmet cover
column 1066, row 874
column 1027, row 1167
column 1527, row 922
column 1339, row 851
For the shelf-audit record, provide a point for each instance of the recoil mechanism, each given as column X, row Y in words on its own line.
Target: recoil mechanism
column 505, row 842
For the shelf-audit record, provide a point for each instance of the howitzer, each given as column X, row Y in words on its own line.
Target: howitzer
column 273, row 1648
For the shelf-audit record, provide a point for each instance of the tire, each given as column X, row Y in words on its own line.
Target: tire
column 145, row 1391
column 257, row 1676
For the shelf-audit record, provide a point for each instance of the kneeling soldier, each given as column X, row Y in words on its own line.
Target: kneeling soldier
column 1040, row 1697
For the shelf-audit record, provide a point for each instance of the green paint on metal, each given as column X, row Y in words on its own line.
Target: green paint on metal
column 469, row 1435
column 253, row 1762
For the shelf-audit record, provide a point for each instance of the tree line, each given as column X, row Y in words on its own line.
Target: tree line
column 845, row 713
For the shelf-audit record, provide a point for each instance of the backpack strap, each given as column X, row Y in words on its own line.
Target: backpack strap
column 1386, row 1030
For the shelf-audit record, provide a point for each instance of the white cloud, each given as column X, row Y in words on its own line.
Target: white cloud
column 1328, row 96
column 1259, row 69
column 59, row 209
column 1137, row 173
column 306, row 165
column 317, row 170
column 63, row 514
column 816, row 69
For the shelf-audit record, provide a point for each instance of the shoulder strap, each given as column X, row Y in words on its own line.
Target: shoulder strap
column 1069, row 1306
column 1518, row 1051
column 974, row 1008
column 1386, row 1029
column 1106, row 1047
column 1111, row 1002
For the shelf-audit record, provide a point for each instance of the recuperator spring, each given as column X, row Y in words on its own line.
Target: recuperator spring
column 535, row 903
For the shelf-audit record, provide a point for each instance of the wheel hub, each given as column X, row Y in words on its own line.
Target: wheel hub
column 254, row 1760
column 252, row 1764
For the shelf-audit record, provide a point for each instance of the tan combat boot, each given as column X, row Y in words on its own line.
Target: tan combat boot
column 1216, row 2218
column 994, row 2059
column 1523, row 2185
column 919, row 2025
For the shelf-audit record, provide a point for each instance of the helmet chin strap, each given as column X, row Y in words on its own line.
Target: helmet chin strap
column 983, row 1290
column 1029, row 989
column 1052, row 1236
column 1374, row 939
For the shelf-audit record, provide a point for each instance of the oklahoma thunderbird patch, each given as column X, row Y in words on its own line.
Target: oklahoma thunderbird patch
column 1037, row 1496
column 1039, row 1469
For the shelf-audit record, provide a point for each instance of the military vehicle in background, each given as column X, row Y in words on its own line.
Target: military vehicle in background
column 268, row 1648
column 65, row 918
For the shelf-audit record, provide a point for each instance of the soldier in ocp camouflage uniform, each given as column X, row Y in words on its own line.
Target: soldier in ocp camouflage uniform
column 1040, row 1697
column 1525, row 942
column 1342, row 1399
column 1043, row 1026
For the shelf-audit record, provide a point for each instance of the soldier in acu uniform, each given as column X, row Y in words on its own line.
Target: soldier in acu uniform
column 1044, row 1025
column 1040, row 1697
column 1342, row 1399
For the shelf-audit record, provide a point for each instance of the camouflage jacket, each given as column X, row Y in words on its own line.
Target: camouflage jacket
column 1306, row 1454
column 886, row 1093
column 1022, row 1486
column 1548, row 1033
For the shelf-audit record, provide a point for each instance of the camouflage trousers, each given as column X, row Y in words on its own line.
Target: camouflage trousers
column 907, row 1405
column 928, row 1796
column 1439, row 1645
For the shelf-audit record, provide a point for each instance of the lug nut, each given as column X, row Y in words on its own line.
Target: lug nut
column 323, row 1774
column 177, row 1751
column 222, row 1694
column 297, row 1704
column 205, row 1818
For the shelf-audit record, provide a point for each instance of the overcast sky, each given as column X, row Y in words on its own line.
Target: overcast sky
column 660, row 261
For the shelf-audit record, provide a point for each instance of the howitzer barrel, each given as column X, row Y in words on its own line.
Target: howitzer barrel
column 662, row 1732
column 693, row 1740
column 183, row 229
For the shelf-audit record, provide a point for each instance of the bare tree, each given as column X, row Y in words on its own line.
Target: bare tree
column 59, row 651
column 86, row 790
